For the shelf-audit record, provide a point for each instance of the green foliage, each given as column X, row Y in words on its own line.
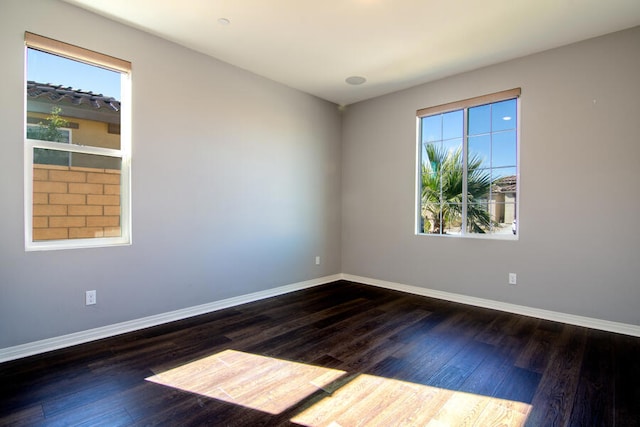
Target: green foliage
column 50, row 131
column 442, row 178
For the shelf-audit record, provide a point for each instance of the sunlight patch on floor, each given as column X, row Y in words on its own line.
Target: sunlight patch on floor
column 332, row 397
column 258, row 382
column 377, row 401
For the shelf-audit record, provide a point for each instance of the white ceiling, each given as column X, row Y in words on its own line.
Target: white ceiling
column 314, row 46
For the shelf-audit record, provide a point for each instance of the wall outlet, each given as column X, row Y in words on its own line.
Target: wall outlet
column 90, row 297
column 513, row 279
column 317, row 260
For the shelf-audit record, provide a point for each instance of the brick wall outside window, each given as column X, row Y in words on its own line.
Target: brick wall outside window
column 72, row 202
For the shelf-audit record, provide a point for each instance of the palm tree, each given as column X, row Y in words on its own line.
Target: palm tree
column 442, row 177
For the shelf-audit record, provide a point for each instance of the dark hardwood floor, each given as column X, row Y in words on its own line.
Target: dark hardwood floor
column 398, row 357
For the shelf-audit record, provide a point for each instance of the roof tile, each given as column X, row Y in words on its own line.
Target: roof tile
column 58, row 93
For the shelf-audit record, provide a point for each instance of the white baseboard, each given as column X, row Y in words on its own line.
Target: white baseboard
column 605, row 325
column 42, row 346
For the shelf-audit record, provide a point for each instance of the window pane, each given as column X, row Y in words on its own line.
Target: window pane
column 73, row 202
column 432, row 217
column 503, row 115
column 93, row 161
column 441, row 218
column 479, row 119
column 452, row 150
column 51, row 157
column 431, row 128
column 443, row 157
column 65, row 158
column 502, row 217
column 67, row 94
column 504, row 149
column 499, row 173
column 503, row 200
column 452, row 125
column 478, row 184
column 503, row 189
column 45, row 131
column 452, row 218
column 431, row 185
column 478, row 218
column 424, row 158
column 479, row 151
column 430, row 156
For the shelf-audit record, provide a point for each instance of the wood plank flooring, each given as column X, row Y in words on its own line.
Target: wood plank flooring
column 341, row 354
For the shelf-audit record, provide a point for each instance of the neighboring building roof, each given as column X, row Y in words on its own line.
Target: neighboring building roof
column 74, row 103
column 75, row 97
column 506, row 184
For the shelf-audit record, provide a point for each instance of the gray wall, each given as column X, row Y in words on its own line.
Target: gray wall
column 579, row 248
column 235, row 185
column 239, row 182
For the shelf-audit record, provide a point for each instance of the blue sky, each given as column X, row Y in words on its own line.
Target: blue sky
column 47, row 68
column 492, row 134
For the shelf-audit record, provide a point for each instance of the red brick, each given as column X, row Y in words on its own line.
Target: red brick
column 67, row 221
column 103, row 178
column 102, row 200
column 112, row 232
column 103, row 221
column 40, row 174
column 85, row 210
column 83, row 169
column 86, row 232
column 67, row 176
column 67, row 199
column 50, row 233
column 46, row 210
column 40, row 221
column 51, row 167
column 40, row 198
column 49, row 187
column 112, row 210
column 83, row 188
column 111, row 189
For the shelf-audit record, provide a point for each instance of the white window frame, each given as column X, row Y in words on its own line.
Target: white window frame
column 76, row 53
column 465, row 105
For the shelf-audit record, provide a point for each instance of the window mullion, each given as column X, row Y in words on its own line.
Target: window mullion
column 442, row 200
column 465, row 148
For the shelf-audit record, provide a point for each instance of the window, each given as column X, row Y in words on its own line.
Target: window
column 468, row 167
column 77, row 147
column 36, row 132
